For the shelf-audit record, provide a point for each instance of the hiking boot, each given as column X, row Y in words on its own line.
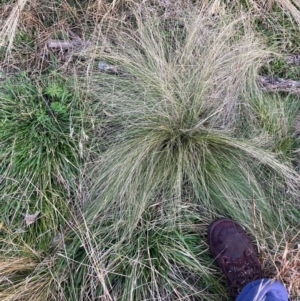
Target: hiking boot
column 235, row 254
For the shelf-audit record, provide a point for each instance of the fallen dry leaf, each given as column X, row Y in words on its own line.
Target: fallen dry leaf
column 31, row 218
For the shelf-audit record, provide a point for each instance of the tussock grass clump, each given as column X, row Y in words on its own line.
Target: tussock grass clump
column 185, row 125
column 183, row 116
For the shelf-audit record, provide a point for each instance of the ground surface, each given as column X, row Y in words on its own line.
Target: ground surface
column 126, row 127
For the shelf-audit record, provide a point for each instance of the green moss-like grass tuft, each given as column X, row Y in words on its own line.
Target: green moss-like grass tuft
column 40, row 130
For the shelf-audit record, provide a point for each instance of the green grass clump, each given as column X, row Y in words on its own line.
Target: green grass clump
column 162, row 259
column 40, row 124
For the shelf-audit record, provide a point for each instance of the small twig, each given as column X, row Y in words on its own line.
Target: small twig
column 275, row 84
column 293, row 59
column 66, row 49
column 103, row 66
column 75, row 43
column 60, row 44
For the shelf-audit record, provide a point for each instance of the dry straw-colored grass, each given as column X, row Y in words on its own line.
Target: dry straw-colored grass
column 25, row 278
column 282, row 261
column 289, row 268
column 10, row 25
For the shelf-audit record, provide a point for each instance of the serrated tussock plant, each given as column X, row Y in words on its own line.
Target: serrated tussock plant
column 183, row 110
column 184, row 127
